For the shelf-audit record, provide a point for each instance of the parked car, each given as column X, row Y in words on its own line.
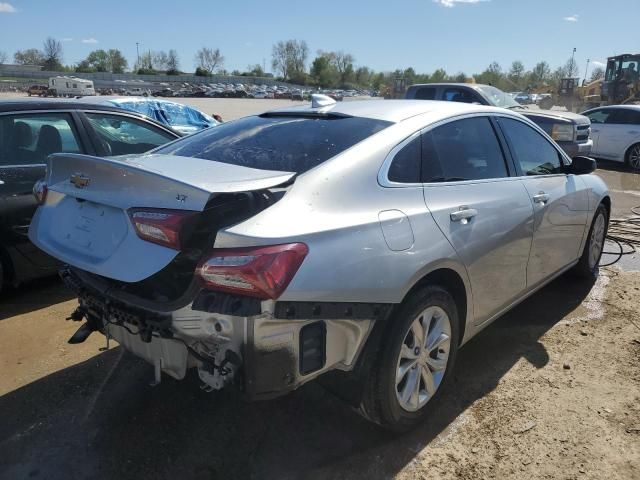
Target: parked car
column 179, row 117
column 137, row 92
column 38, row 90
column 347, row 237
column 165, row 92
column 570, row 130
column 523, row 99
column 32, row 129
column 616, row 133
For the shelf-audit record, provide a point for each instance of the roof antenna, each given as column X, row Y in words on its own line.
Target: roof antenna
column 318, row 100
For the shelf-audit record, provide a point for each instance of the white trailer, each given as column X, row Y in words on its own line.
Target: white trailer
column 70, row 87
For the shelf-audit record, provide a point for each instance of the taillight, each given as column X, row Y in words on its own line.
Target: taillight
column 263, row 272
column 161, row 226
column 40, row 191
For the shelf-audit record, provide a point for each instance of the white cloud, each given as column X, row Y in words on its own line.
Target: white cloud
column 453, row 3
column 7, row 8
column 89, row 40
column 572, row 18
column 597, row 63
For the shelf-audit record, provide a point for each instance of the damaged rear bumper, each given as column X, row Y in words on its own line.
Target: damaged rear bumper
column 264, row 349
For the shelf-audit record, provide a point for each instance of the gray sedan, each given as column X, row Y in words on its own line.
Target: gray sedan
column 371, row 239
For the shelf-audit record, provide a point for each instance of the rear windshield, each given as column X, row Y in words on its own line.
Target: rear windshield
column 283, row 143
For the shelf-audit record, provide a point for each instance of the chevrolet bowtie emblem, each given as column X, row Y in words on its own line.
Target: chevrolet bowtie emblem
column 79, row 180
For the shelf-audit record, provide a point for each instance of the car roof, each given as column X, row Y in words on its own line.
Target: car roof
column 21, row 104
column 28, row 104
column 609, row 107
column 391, row 110
column 115, row 99
column 447, row 84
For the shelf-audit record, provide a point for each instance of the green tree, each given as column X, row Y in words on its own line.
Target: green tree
column 364, row 76
column 540, row 74
column 440, row 75
column 516, row 74
column 460, row 77
column 52, row 52
column 255, row 70
column 289, row 58
column 344, row 65
column 571, row 68
column 30, row 56
column 210, row 59
column 323, row 72
column 117, row 62
column 201, row 72
column 173, row 63
column 98, row 60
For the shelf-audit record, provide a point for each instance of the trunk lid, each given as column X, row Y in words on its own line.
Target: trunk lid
column 84, row 221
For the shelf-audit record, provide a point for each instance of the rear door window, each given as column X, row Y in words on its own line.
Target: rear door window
column 426, row 93
column 533, row 153
column 277, row 142
column 459, row 95
column 623, row 116
column 599, row 116
column 405, row 166
column 122, row 135
column 461, row 150
column 30, row 138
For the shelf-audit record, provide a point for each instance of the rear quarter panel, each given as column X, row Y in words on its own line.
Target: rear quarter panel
column 335, row 209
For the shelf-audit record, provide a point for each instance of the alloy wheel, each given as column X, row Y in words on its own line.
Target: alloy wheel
column 634, row 157
column 423, row 358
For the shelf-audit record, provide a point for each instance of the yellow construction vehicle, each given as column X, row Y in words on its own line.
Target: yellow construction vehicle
column 620, row 85
column 622, row 80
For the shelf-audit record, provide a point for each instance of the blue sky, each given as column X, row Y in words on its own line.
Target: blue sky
column 457, row 35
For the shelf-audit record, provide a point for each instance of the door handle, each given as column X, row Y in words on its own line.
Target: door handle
column 463, row 215
column 594, row 130
column 541, row 198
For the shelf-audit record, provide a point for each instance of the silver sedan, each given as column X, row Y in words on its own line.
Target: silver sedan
column 368, row 238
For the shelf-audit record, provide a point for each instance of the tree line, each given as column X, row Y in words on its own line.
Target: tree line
column 291, row 62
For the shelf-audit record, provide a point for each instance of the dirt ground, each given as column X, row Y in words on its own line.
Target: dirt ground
column 551, row 390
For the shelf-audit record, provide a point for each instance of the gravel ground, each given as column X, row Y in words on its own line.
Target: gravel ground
column 551, row 390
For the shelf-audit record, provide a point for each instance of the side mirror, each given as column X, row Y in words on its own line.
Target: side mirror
column 582, row 165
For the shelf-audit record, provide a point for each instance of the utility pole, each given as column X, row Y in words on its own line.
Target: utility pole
column 138, row 53
column 572, row 63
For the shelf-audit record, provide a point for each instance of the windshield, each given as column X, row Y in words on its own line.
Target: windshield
column 497, row 97
column 280, row 143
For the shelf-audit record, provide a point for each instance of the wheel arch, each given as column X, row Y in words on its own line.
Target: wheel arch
column 606, row 201
column 452, row 281
column 628, row 149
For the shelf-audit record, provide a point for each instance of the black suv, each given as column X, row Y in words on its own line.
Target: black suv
column 570, row 130
column 30, row 130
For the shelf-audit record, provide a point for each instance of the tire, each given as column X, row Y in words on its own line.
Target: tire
column 587, row 266
column 632, row 157
column 382, row 401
